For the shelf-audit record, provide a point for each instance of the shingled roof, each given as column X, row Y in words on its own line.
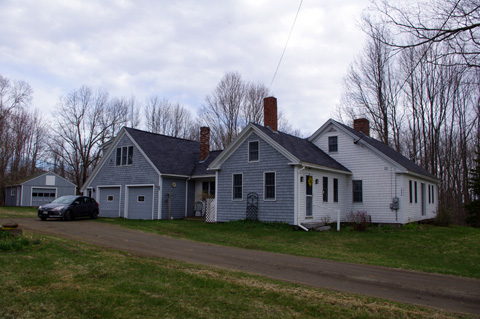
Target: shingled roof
column 388, row 151
column 172, row 155
column 302, row 149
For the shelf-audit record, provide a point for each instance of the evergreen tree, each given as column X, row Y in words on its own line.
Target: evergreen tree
column 473, row 208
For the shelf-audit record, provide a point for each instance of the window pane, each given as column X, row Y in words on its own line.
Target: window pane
column 124, row 155
column 410, row 191
column 309, row 185
column 269, row 185
column 130, row 155
column 237, row 186
column 325, row 189
column 332, row 144
column 357, row 191
column 335, row 190
column 212, row 188
column 416, row 195
column 119, row 156
column 253, row 151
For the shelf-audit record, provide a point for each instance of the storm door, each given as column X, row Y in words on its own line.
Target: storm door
column 309, row 196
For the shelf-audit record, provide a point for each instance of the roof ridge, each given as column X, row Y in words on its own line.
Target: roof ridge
column 162, row 135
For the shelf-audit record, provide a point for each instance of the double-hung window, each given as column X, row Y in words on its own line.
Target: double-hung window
column 253, row 151
column 124, row 156
column 332, row 144
column 269, row 186
column 237, row 189
column 357, row 191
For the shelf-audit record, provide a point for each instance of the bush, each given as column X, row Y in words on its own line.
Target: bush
column 359, row 220
column 444, row 217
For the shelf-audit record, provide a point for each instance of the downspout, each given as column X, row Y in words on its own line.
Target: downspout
column 298, row 201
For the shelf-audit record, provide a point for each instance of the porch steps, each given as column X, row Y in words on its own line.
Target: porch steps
column 316, row 226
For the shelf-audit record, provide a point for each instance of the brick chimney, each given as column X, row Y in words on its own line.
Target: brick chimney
column 204, row 143
column 362, row 125
column 270, row 112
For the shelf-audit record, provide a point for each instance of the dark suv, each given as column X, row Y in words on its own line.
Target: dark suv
column 69, row 207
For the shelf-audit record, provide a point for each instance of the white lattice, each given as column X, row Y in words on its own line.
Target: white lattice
column 210, row 211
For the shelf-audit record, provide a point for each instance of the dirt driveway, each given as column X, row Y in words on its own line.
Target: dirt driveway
column 438, row 291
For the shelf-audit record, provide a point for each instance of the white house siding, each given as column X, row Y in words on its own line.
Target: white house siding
column 378, row 176
column 139, row 173
column 412, row 211
column 270, row 160
column 322, row 210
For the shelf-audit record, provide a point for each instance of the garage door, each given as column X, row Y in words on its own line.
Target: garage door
column 140, row 202
column 42, row 196
column 109, row 201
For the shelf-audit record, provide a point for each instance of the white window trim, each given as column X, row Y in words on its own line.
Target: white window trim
column 233, row 189
column 328, row 143
column 258, row 150
column 121, row 155
column 265, row 187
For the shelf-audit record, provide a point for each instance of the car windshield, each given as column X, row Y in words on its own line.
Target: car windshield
column 65, row 200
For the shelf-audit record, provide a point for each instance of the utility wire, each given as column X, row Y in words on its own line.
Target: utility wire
column 291, row 30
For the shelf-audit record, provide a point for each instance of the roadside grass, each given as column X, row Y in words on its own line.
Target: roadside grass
column 453, row 250
column 58, row 278
column 17, row 212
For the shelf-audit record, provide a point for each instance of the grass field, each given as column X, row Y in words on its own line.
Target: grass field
column 57, row 278
column 451, row 250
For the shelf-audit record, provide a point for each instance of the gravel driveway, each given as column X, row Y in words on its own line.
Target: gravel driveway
column 438, row 291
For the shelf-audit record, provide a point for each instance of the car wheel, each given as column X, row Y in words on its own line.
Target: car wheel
column 68, row 215
column 94, row 215
column 43, row 218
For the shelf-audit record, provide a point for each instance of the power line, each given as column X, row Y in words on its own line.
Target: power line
column 291, row 30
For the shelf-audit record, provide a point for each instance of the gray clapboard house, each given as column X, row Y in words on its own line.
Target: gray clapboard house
column 38, row 189
column 263, row 174
column 335, row 171
column 144, row 175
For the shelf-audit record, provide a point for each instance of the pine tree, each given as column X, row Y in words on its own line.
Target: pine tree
column 473, row 208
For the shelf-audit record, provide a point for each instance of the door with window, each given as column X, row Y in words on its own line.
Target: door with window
column 309, row 196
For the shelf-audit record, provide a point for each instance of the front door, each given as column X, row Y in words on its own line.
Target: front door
column 309, row 196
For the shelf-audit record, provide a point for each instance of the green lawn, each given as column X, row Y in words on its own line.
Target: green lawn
column 451, row 250
column 57, row 278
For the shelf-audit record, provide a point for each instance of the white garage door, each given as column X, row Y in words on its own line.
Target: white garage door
column 42, row 196
column 109, row 201
column 140, row 202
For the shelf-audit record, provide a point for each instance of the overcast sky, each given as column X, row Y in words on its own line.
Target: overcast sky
column 181, row 49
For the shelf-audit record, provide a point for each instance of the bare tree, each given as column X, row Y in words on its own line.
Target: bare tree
column 455, row 24
column 370, row 90
column 168, row 118
column 84, row 119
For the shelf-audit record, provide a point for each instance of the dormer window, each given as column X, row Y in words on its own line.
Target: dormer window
column 253, row 151
column 332, row 144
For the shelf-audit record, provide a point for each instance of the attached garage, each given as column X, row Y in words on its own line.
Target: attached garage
column 139, row 202
column 42, row 196
column 108, row 199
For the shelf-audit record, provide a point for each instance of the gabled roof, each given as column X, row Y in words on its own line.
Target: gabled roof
column 298, row 150
column 378, row 146
column 36, row 175
column 168, row 155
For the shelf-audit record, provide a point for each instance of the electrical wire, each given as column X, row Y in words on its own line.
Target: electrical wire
column 291, row 30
